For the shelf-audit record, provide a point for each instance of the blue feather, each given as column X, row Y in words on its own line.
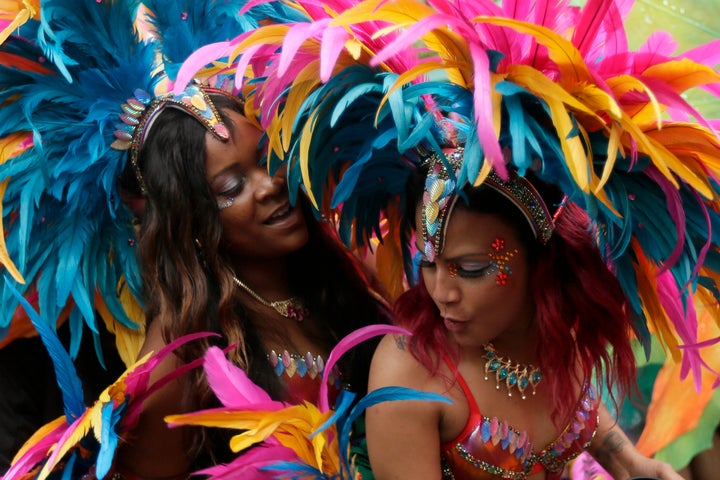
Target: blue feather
column 62, row 198
column 108, row 439
column 67, row 376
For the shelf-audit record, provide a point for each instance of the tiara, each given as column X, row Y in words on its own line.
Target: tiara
column 439, row 198
column 139, row 114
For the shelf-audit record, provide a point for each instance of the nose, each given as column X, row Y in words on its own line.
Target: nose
column 269, row 186
column 442, row 286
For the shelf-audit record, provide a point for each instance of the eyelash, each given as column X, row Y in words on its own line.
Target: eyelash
column 236, row 188
column 461, row 272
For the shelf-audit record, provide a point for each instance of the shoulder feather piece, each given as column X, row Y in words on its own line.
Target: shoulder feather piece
column 289, row 441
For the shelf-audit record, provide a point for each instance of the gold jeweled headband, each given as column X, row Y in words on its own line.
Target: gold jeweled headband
column 439, row 199
column 140, row 112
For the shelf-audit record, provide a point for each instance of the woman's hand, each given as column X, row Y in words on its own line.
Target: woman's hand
column 642, row 466
column 616, row 453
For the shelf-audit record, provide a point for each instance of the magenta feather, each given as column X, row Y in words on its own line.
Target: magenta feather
column 231, row 384
column 248, row 465
column 333, row 41
column 683, row 317
column 589, row 23
column 197, row 61
column 33, row 455
column 355, row 338
column 676, row 213
column 482, row 96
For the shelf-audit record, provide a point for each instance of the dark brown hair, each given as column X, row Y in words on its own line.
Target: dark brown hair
column 186, row 275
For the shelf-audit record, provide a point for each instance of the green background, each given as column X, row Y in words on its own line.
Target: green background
column 690, row 22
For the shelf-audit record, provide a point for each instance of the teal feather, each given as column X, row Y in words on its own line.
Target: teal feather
column 186, row 26
column 70, row 235
column 67, row 377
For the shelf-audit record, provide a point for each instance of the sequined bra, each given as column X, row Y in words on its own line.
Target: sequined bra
column 489, row 448
column 302, row 375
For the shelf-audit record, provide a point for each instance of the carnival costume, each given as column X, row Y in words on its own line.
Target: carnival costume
column 355, row 97
column 489, row 447
column 81, row 83
column 374, row 89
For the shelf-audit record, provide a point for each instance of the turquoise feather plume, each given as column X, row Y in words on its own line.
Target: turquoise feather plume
column 67, row 230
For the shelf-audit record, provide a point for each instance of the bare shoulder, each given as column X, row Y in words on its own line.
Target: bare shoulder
column 394, row 365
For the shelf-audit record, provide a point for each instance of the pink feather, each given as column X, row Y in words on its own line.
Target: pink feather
column 247, row 466
column 706, row 54
column 333, row 43
column 33, row 455
column 231, row 384
column 484, row 111
column 197, row 61
column 349, row 341
column 684, row 319
column 588, row 24
column 295, row 37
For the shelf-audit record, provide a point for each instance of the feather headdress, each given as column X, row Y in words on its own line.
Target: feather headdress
column 372, row 84
column 64, row 78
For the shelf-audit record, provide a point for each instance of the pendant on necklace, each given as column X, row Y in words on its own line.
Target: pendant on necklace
column 514, row 376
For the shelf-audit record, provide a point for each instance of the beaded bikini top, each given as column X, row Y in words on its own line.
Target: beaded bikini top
column 489, row 448
column 302, row 375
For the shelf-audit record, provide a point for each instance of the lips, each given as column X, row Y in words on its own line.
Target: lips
column 455, row 326
column 280, row 214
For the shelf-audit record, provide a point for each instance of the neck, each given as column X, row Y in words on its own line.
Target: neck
column 268, row 278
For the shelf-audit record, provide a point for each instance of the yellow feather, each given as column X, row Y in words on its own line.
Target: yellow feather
column 399, row 13
column 304, row 160
column 556, row 98
column 646, row 274
column 696, row 146
column 623, row 84
column 41, row 433
column 81, row 429
column 666, row 162
column 17, row 12
column 266, row 35
column 302, row 86
column 4, row 254
column 128, row 341
column 683, row 74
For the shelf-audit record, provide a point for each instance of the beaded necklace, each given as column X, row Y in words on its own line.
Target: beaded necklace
column 514, row 376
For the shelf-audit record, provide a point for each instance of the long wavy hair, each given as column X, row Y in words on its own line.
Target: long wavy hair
column 581, row 314
column 187, row 276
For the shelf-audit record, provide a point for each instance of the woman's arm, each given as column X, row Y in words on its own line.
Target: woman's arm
column 402, row 436
column 153, row 451
column 616, row 453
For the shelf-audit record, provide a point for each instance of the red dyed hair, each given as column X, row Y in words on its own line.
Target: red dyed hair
column 581, row 316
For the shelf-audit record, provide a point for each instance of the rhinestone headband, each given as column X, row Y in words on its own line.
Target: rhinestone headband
column 140, row 112
column 439, row 199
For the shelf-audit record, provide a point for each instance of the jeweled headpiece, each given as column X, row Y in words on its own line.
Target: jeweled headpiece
column 140, row 111
column 440, row 197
